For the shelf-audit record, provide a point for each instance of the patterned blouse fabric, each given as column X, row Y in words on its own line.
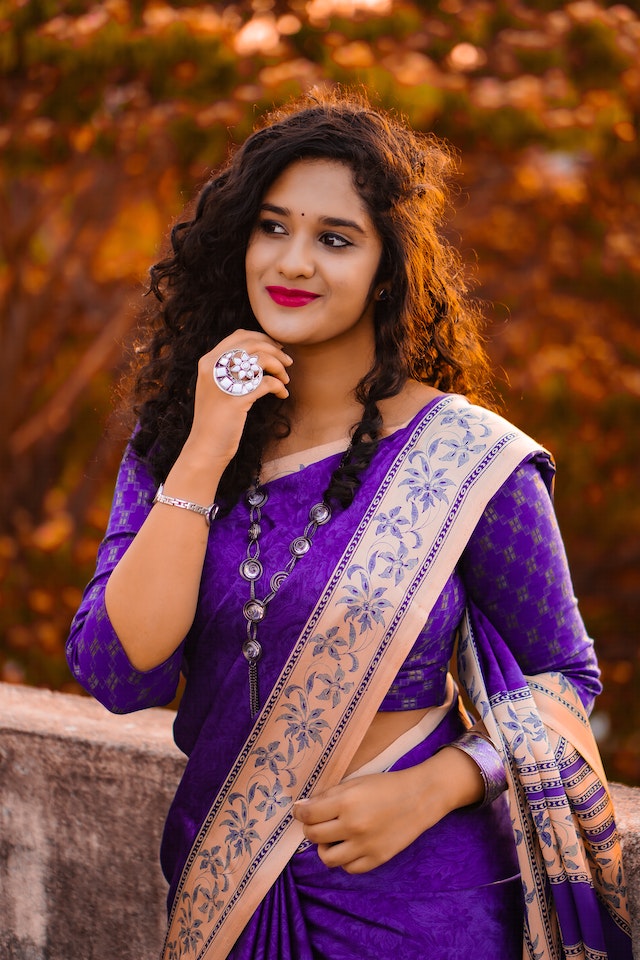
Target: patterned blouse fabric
column 513, row 568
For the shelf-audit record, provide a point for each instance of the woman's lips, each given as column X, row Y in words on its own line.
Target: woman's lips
column 287, row 297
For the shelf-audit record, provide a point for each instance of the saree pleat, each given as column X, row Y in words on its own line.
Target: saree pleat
column 568, row 848
column 278, row 928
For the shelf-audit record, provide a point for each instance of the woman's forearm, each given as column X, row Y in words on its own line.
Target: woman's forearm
column 152, row 593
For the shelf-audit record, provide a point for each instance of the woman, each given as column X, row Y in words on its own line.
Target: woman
column 307, row 508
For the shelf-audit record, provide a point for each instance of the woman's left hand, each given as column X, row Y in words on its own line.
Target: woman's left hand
column 361, row 823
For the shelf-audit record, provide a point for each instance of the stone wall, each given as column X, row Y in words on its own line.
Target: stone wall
column 83, row 796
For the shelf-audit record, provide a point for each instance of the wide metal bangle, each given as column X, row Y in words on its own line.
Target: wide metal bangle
column 487, row 758
column 209, row 513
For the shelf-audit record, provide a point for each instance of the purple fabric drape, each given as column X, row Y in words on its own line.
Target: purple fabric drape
column 559, row 803
column 461, row 871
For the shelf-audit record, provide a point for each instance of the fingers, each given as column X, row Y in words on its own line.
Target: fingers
column 270, row 355
column 326, row 806
column 219, row 417
column 362, row 823
column 339, row 844
column 252, row 342
column 345, row 855
column 320, row 831
column 337, row 823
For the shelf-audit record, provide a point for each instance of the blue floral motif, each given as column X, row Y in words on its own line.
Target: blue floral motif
column 397, row 565
column 365, row 605
column 330, row 643
column 563, row 682
column 543, row 825
column 273, row 799
column 534, row 727
column 392, row 523
column 189, row 934
column 172, row 948
column 462, row 449
column 426, row 486
column 466, row 421
column 273, row 758
column 241, row 833
column 334, row 687
column 570, row 851
column 514, row 725
column 305, row 725
column 210, row 901
column 211, row 862
column 535, row 953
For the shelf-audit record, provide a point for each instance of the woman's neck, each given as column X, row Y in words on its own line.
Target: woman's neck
column 322, row 406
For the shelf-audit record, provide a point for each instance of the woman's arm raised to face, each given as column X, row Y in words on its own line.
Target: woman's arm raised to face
column 152, row 593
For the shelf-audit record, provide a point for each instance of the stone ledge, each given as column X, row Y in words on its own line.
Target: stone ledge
column 83, row 797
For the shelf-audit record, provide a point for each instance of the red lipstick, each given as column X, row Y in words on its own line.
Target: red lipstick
column 290, row 297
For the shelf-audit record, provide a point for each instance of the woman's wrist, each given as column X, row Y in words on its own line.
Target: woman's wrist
column 460, row 778
column 481, row 750
column 444, row 782
column 195, row 475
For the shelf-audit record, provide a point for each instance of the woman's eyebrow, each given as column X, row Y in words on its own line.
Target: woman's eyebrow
column 272, row 208
column 339, row 222
column 328, row 221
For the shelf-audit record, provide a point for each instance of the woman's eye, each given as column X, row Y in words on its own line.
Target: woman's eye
column 335, row 240
column 271, row 227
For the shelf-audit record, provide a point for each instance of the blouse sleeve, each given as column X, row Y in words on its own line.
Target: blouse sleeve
column 94, row 653
column 515, row 570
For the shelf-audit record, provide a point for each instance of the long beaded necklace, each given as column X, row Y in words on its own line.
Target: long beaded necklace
column 251, row 569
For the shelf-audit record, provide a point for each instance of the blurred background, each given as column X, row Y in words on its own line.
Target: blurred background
column 113, row 114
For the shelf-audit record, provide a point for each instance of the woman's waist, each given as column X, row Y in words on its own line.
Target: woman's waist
column 393, row 733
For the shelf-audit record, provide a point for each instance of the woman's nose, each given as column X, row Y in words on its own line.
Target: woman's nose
column 296, row 258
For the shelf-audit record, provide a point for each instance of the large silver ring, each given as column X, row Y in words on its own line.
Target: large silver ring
column 237, row 373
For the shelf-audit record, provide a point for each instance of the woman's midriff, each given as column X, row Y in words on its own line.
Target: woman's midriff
column 385, row 727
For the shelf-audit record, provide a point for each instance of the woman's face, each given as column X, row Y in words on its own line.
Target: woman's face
column 312, row 258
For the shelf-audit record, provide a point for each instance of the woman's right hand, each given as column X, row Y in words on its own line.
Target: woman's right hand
column 219, row 418
column 152, row 594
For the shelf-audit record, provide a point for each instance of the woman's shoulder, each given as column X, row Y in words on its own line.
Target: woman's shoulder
column 417, row 400
column 436, row 415
column 413, row 400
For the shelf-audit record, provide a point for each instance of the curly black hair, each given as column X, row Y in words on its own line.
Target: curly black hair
column 428, row 330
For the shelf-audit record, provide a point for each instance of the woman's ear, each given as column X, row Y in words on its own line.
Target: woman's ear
column 383, row 293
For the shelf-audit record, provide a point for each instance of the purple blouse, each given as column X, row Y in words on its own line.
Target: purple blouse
column 514, row 569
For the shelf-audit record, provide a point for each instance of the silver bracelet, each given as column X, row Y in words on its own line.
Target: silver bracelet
column 209, row 513
column 488, row 761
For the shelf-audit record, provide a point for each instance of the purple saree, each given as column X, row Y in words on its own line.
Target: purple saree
column 456, row 890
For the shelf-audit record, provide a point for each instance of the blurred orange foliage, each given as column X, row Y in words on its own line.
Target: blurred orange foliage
column 111, row 114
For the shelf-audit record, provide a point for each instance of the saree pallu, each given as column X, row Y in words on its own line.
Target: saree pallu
column 455, row 892
column 563, row 818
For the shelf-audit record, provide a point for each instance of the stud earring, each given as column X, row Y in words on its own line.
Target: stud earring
column 383, row 294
